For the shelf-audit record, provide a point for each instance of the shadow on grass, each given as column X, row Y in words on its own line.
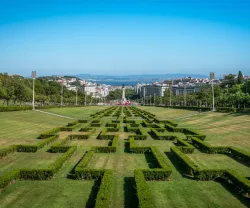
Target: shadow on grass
column 239, row 160
column 179, row 167
column 130, row 196
column 126, row 146
column 152, row 162
column 234, row 191
column 93, row 194
column 71, row 174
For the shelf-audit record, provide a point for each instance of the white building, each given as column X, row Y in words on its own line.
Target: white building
column 152, row 90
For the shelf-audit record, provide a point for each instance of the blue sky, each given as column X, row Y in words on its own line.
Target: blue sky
column 124, row 37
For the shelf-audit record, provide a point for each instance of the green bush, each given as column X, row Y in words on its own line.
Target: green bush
column 143, row 192
column 8, row 178
column 103, row 196
column 5, row 151
column 88, row 174
column 83, row 121
column 45, row 174
column 137, row 149
column 50, row 133
column 186, row 161
column 184, row 146
column 14, row 108
column 84, row 160
column 80, row 136
column 34, row 148
column 161, row 136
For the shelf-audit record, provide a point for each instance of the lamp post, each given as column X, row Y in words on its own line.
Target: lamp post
column 62, row 94
column 76, row 95
column 185, row 95
column 33, row 100
column 212, row 83
column 170, row 93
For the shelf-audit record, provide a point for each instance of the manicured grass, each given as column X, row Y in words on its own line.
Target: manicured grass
column 189, row 193
column 56, row 194
column 61, row 191
column 22, row 127
column 222, row 129
column 210, row 161
column 16, row 160
column 78, row 113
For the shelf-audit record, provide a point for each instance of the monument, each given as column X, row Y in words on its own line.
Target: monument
column 124, row 100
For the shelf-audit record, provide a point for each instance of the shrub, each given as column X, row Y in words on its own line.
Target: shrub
column 137, row 149
column 14, row 108
column 34, row 148
column 184, row 146
column 8, row 178
column 143, row 192
column 103, row 196
column 5, row 151
column 162, row 136
column 186, row 161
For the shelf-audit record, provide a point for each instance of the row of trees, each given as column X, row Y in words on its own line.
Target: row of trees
column 17, row 90
column 232, row 92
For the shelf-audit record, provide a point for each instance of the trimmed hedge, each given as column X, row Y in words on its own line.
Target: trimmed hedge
column 143, row 192
column 188, row 132
column 45, row 174
column 166, row 122
column 50, row 133
column 34, row 148
column 161, row 136
column 35, row 174
column 137, row 149
column 107, row 149
column 5, row 151
column 8, row 178
column 184, row 146
column 232, row 151
column 103, row 196
column 140, row 134
column 14, row 108
column 186, row 161
column 71, row 127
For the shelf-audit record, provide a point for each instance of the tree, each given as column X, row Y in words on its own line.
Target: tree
column 229, row 81
column 240, row 79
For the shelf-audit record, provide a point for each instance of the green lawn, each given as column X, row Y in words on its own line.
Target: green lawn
column 180, row 191
column 222, row 129
column 78, row 113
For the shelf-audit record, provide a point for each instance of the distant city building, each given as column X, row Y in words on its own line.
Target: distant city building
column 152, row 90
column 181, row 90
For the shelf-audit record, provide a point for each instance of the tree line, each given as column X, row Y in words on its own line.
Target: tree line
column 17, row 90
column 231, row 92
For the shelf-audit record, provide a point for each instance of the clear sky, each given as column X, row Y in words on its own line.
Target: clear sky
column 124, row 37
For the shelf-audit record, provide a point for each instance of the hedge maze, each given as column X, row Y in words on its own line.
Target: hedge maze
column 127, row 127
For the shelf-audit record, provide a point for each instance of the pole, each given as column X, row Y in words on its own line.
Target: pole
column 213, row 93
column 154, row 98
column 150, row 99
column 143, row 95
column 76, row 96
column 62, row 95
column 33, row 101
column 185, row 94
column 170, row 94
column 85, row 98
column 33, row 74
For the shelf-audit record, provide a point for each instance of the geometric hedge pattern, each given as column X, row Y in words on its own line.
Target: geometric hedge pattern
column 137, row 124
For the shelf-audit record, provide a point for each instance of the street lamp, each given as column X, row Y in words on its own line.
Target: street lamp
column 212, row 82
column 33, row 100
column 62, row 94
column 76, row 95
